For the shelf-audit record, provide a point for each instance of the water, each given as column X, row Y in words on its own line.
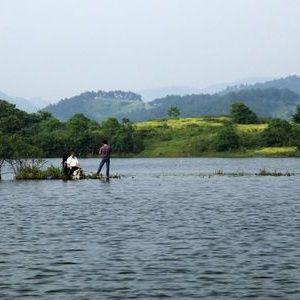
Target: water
column 164, row 230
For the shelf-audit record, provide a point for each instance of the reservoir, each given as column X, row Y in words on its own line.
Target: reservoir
column 168, row 228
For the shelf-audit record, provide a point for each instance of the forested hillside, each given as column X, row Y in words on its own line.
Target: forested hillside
column 97, row 105
column 266, row 103
column 100, row 105
column 291, row 82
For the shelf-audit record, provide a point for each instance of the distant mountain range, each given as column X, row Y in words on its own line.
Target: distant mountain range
column 29, row 105
column 156, row 93
column 291, row 82
column 21, row 103
column 274, row 98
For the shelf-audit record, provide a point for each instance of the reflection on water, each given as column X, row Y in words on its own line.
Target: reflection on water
column 154, row 234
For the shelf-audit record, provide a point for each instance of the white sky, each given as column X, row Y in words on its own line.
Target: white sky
column 59, row 48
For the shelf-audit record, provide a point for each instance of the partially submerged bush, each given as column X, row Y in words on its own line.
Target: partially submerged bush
column 34, row 169
column 34, row 172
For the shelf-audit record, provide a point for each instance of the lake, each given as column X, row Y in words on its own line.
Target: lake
column 166, row 229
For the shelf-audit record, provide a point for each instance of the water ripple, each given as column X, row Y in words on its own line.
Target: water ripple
column 152, row 237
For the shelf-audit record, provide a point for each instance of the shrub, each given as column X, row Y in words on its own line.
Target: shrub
column 278, row 133
column 227, row 139
column 34, row 169
column 202, row 144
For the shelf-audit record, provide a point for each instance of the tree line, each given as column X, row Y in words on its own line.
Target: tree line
column 24, row 135
column 41, row 135
column 278, row 133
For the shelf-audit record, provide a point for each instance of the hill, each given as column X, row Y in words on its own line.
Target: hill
column 270, row 102
column 100, row 105
column 291, row 82
column 274, row 98
column 97, row 105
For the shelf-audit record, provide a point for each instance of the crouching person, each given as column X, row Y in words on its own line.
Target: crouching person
column 72, row 163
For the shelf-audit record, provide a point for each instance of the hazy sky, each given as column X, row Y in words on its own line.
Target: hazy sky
column 59, row 48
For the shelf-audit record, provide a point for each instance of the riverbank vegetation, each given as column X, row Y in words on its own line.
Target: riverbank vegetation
column 219, row 137
column 240, row 134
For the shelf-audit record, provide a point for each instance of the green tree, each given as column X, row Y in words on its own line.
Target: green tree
column 296, row 115
column 78, row 123
column 50, row 124
column 242, row 114
column 295, row 139
column 278, row 133
column 43, row 115
column 11, row 124
column 110, row 127
column 227, row 139
column 173, row 112
column 127, row 139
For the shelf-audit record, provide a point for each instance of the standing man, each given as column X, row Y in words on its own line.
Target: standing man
column 105, row 152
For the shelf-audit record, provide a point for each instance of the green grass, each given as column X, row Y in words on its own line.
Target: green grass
column 184, row 137
column 277, row 151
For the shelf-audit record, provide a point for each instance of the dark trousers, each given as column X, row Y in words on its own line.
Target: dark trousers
column 65, row 168
column 105, row 160
column 71, row 170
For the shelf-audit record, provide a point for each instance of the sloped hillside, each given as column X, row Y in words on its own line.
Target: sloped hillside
column 265, row 103
column 291, row 82
column 97, row 105
column 270, row 102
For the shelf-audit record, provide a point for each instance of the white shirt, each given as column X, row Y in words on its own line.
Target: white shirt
column 72, row 161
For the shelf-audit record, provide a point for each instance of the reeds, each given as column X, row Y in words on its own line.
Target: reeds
column 264, row 172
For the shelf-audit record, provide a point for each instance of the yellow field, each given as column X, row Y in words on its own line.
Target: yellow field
column 182, row 123
column 199, row 122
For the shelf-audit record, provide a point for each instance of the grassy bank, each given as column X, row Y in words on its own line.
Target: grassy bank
column 188, row 137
